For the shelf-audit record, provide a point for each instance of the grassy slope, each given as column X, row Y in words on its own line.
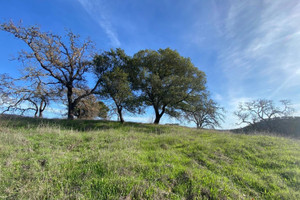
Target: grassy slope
column 47, row 160
column 284, row 126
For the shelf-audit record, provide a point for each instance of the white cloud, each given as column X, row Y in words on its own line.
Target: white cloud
column 297, row 109
column 141, row 119
column 218, row 97
column 98, row 13
column 231, row 106
column 261, row 55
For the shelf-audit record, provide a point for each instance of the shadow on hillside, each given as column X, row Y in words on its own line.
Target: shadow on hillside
column 17, row 121
column 285, row 126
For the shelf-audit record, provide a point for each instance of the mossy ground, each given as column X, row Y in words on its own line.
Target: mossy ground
column 61, row 159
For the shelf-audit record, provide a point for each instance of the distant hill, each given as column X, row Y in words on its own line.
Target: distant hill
column 284, row 126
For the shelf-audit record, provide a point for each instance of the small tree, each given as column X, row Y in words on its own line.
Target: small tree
column 203, row 111
column 5, row 93
column 262, row 110
column 65, row 60
column 90, row 107
column 164, row 80
column 114, row 82
column 30, row 92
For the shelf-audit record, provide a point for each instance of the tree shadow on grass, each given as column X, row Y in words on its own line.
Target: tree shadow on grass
column 16, row 121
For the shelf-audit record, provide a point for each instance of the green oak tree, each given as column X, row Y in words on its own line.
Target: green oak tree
column 164, row 79
column 114, row 84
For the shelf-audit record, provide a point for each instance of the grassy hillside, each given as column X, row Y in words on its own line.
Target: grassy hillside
column 60, row 159
column 285, row 126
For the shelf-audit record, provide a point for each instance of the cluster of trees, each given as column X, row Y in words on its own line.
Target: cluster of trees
column 259, row 110
column 162, row 79
column 264, row 115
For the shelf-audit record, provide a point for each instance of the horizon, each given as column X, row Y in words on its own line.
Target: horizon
column 248, row 50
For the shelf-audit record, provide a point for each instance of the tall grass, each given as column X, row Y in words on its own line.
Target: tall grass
column 60, row 159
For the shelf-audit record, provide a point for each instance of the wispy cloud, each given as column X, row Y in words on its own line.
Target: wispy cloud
column 96, row 11
column 263, row 44
column 260, row 55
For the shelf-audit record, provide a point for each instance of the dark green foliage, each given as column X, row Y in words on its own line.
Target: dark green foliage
column 103, row 110
column 114, row 84
column 164, row 79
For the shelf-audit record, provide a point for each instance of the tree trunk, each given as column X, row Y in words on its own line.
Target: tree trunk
column 157, row 116
column 157, row 119
column 200, row 124
column 120, row 115
column 71, row 106
column 35, row 114
column 42, row 108
column 71, row 109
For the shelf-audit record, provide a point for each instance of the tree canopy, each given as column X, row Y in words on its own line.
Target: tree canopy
column 90, row 107
column 164, row 79
column 65, row 59
column 114, row 84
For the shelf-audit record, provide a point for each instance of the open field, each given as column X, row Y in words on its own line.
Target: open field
column 60, row 159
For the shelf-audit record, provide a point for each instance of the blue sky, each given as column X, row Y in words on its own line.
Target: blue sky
column 248, row 49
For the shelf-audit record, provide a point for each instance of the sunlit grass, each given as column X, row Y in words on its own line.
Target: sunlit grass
column 60, row 159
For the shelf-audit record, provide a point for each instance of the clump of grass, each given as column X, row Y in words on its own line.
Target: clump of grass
column 59, row 159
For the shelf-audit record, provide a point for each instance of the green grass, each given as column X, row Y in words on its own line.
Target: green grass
column 60, row 159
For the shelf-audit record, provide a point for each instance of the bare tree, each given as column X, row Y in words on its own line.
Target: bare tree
column 261, row 110
column 65, row 60
column 5, row 93
column 30, row 92
column 203, row 111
